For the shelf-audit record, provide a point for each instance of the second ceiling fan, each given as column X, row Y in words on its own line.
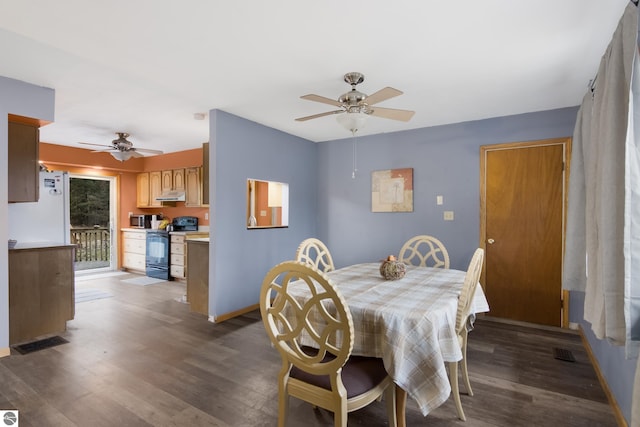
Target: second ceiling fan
column 356, row 102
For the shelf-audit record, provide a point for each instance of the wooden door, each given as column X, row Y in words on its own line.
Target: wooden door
column 522, row 228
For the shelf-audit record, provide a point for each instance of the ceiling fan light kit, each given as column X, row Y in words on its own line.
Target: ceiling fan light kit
column 122, row 155
column 356, row 107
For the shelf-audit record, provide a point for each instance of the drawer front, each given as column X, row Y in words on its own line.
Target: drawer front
column 134, row 235
column 134, row 261
column 177, row 239
column 177, row 248
column 177, row 259
column 135, row 246
column 177, row 271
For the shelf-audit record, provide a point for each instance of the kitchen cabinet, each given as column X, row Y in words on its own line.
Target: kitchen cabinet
column 41, row 291
column 23, row 168
column 173, row 180
column 198, row 278
column 149, row 186
column 179, row 252
column 205, row 173
column 134, row 250
column 193, row 190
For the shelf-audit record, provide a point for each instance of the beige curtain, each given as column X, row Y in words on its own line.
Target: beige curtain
column 603, row 217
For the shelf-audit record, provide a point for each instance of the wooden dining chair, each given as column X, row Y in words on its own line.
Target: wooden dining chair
column 462, row 315
column 314, row 252
column 324, row 374
column 424, row 251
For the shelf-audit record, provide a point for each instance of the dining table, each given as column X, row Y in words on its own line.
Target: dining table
column 409, row 323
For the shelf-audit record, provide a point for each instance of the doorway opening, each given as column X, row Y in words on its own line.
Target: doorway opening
column 92, row 211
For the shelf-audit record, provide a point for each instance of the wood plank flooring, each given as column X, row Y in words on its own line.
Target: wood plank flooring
column 140, row 358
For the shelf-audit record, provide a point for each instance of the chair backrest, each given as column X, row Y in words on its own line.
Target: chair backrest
column 322, row 317
column 469, row 289
column 425, row 251
column 314, row 252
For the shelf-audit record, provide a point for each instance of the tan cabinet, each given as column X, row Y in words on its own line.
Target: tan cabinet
column 149, row 186
column 23, row 168
column 134, row 250
column 173, row 180
column 198, row 279
column 41, row 292
column 205, row 173
column 142, row 194
column 193, row 190
column 179, row 255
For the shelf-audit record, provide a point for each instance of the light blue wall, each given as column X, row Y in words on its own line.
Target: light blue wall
column 445, row 161
column 26, row 100
column 240, row 258
column 618, row 371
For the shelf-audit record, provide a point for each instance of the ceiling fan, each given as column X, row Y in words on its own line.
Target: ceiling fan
column 358, row 105
column 122, row 149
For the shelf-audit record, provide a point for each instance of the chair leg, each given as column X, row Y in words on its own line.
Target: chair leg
column 455, row 391
column 283, row 403
column 390, row 400
column 465, row 371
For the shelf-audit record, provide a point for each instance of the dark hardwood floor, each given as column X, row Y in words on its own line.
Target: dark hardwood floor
column 140, row 358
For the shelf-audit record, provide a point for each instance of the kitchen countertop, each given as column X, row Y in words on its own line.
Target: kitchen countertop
column 199, row 240
column 179, row 233
column 40, row 245
column 187, row 233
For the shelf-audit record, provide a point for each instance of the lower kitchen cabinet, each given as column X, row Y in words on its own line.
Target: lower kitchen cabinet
column 179, row 252
column 198, row 279
column 134, row 244
column 41, row 291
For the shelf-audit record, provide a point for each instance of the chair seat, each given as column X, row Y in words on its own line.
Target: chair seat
column 359, row 375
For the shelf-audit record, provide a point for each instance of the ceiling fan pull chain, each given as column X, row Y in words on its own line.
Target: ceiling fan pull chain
column 355, row 155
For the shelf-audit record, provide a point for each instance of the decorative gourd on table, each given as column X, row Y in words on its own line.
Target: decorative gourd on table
column 392, row 269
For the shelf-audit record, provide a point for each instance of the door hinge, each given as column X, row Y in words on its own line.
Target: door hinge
column 561, row 303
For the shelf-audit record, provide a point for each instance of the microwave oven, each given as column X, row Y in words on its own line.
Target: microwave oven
column 142, row 221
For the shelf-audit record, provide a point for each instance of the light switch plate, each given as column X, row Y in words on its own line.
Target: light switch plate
column 439, row 200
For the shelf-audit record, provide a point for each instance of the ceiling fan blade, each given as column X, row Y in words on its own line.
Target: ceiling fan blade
column 392, row 113
column 315, row 116
column 324, row 100
column 147, row 150
column 382, row 95
column 107, row 150
column 134, row 153
column 96, row 145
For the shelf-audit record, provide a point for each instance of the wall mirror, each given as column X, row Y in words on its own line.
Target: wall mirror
column 267, row 204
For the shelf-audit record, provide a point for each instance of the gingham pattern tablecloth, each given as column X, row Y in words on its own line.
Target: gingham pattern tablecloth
column 409, row 323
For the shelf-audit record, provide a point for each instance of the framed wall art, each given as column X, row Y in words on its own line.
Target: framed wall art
column 392, row 190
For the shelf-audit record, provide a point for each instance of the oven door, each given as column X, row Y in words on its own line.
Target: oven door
column 157, row 260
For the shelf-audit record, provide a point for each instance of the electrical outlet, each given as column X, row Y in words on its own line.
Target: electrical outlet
column 206, row 215
column 263, row 213
column 448, row 215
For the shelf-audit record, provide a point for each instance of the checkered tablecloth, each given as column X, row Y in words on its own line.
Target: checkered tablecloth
column 409, row 323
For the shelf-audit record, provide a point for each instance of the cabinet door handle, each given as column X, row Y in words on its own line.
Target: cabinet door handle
column 490, row 241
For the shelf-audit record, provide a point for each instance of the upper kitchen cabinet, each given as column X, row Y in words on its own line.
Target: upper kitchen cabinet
column 205, row 173
column 23, row 176
column 149, row 186
column 173, row 180
column 193, row 196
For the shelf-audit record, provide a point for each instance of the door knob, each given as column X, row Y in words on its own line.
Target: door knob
column 490, row 241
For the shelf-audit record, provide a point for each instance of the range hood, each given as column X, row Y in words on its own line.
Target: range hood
column 171, row 196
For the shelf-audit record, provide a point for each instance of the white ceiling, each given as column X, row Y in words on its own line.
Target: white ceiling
column 145, row 67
